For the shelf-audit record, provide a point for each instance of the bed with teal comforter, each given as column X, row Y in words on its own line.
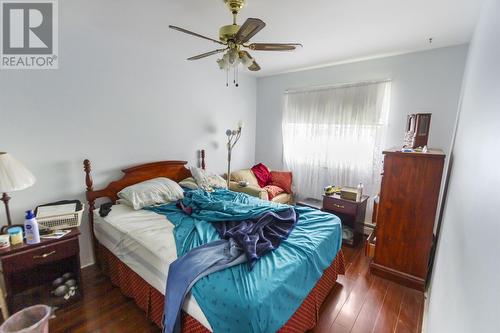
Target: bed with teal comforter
column 265, row 298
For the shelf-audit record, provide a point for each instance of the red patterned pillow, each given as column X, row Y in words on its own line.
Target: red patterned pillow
column 273, row 191
column 262, row 174
column 282, row 179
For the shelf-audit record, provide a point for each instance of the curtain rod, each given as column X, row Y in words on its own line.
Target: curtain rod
column 335, row 86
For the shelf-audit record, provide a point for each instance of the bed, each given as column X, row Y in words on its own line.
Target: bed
column 137, row 262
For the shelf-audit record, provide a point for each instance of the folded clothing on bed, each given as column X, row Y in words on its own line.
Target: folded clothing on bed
column 261, row 300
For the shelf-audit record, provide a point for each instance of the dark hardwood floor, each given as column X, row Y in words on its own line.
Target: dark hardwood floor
column 360, row 302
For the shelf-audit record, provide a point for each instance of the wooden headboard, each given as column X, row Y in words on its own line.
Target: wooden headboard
column 175, row 170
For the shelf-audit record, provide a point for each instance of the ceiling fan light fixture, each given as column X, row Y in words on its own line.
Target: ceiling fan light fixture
column 246, row 60
column 223, row 65
column 233, row 57
column 235, row 40
column 229, row 59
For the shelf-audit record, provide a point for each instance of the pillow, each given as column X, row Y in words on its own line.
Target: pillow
column 207, row 181
column 151, row 192
column 189, row 183
column 246, row 175
column 262, row 174
column 217, row 181
column 282, row 179
column 273, row 191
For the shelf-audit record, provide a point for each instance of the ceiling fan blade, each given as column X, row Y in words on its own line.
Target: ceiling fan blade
column 195, row 34
column 208, row 54
column 255, row 67
column 249, row 29
column 273, row 46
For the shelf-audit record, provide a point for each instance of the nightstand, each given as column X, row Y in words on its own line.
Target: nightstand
column 28, row 271
column 352, row 214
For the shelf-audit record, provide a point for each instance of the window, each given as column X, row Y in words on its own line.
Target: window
column 334, row 136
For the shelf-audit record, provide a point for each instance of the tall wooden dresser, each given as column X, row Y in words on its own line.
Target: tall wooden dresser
column 406, row 214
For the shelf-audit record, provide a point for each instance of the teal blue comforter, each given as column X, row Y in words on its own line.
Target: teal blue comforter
column 261, row 300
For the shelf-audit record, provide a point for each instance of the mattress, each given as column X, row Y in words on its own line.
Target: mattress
column 144, row 241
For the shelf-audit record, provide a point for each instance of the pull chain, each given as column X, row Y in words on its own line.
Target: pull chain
column 237, row 76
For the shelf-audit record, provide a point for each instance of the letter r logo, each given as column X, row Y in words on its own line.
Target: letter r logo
column 27, row 28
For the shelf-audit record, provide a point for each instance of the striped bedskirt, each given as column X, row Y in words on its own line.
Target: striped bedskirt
column 151, row 301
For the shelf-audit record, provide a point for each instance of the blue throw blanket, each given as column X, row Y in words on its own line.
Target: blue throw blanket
column 261, row 300
column 257, row 236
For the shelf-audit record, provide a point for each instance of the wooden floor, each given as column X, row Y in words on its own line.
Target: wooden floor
column 360, row 302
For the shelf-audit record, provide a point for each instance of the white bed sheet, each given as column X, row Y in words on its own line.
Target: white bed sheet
column 144, row 241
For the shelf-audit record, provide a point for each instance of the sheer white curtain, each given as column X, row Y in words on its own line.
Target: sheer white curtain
column 334, row 136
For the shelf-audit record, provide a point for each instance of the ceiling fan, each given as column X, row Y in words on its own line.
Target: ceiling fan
column 235, row 40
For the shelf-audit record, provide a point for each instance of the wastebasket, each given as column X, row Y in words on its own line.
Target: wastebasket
column 34, row 319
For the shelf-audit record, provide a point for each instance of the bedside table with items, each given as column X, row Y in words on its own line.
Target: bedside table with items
column 46, row 273
column 352, row 213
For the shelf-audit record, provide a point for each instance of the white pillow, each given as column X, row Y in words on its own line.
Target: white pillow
column 151, row 192
column 207, row 181
column 189, row 183
column 217, row 181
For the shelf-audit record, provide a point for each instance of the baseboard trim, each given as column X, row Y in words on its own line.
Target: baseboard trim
column 87, row 264
column 397, row 276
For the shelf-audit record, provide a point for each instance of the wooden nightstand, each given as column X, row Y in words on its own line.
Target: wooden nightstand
column 352, row 214
column 28, row 271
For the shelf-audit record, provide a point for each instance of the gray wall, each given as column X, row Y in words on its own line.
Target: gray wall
column 465, row 291
column 427, row 81
column 124, row 94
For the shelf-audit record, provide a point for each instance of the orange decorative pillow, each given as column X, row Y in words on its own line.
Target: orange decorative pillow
column 282, row 179
column 273, row 191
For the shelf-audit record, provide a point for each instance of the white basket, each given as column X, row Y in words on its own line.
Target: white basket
column 64, row 221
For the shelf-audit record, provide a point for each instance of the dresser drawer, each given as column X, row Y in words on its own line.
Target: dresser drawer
column 40, row 255
column 339, row 206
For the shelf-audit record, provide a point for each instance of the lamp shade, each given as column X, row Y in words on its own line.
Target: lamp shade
column 14, row 176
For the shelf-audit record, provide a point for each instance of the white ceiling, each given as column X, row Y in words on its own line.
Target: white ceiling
column 333, row 31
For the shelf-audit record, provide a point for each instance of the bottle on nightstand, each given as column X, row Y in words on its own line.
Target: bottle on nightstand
column 359, row 193
column 31, row 228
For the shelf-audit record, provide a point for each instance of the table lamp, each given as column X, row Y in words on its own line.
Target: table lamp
column 14, row 176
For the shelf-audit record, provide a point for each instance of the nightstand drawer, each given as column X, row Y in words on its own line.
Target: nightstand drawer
column 41, row 255
column 339, row 206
